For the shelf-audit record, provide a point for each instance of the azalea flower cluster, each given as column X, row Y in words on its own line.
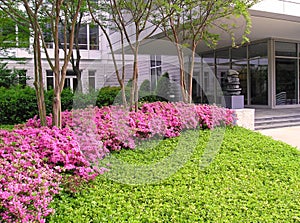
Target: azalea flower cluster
column 33, row 163
column 101, row 130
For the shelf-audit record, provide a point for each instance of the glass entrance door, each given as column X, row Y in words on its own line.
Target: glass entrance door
column 286, row 81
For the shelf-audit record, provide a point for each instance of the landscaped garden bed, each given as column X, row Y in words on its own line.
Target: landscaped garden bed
column 252, row 179
column 247, row 176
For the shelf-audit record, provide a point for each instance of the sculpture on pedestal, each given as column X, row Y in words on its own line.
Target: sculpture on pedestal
column 232, row 91
column 232, row 83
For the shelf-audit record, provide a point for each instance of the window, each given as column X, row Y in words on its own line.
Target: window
column 49, row 79
column 92, row 80
column 70, row 81
column 22, row 77
column 155, row 70
column 83, row 36
column 258, row 73
column 94, row 37
column 285, row 49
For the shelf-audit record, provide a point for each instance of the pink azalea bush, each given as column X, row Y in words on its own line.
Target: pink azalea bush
column 113, row 128
column 33, row 164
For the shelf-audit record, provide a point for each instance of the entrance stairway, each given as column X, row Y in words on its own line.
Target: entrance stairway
column 277, row 120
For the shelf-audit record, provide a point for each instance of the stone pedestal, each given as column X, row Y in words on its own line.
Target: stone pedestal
column 234, row 101
column 245, row 117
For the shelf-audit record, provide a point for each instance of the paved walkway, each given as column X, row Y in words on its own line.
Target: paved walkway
column 289, row 135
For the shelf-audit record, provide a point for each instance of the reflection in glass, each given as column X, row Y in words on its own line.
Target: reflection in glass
column 258, row 69
column 285, row 49
column 208, row 73
column 223, row 65
column 286, row 81
column 258, row 50
column 241, row 67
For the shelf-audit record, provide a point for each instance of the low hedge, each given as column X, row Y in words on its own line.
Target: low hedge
column 19, row 104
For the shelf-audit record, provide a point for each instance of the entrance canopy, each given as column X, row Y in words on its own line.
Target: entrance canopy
column 264, row 25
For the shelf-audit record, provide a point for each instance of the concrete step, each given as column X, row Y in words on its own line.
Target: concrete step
column 277, row 121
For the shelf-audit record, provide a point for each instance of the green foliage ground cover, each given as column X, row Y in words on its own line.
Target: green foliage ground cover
column 252, row 179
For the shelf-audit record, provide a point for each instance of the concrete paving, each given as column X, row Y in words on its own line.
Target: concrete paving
column 289, row 135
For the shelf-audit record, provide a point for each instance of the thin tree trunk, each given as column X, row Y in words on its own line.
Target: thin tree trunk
column 38, row 82
column 182, row 73
column 192, row 66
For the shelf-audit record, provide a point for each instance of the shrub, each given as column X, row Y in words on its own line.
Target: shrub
column 252, row 179
column 107, row 96
column 66, row 100
column 32, row 162
column 81, row 100
column 163, row 87
column 145, row 88
column 117, row 128
column 145, row 94
column 18, row 104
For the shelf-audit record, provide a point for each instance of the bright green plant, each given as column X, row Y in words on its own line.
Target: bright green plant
column 252, row 179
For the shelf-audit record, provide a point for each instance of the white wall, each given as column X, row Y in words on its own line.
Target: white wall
column 287, row 7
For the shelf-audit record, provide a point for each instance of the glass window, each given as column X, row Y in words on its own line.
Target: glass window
column 286, row 81
column 92, row 80
column 155, row 70
column 285, row 49
column 222, row 57
column 94, row 37
column 258, row 50
column 239, row 53
column 223, row 65
column 49, row 79
column 82, row 37
column 22, row 77
column 242, row 67
column 259, row 81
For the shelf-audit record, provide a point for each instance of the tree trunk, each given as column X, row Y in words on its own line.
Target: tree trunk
column 57, row 107
column 192, row 65
column 182, row 74
column 38, row 82
column 77, row 72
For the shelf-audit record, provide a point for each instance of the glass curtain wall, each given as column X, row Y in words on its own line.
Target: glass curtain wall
column 258, row 73
column 222, row 66
column 251, row 61
column 207, row 80
column 239, row 63
column 287, row 84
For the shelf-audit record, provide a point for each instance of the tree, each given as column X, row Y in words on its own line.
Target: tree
column 30, row 19
column 12, row 33
column 194, row 22
column 38, row 14
column 103, row 14
column 135, row 20
column 76, row 57
column 56, row 11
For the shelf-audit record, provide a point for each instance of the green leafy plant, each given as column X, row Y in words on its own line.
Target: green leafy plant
column 18, row 104
column 252, row 179
column 107, row 96
column 163, row 87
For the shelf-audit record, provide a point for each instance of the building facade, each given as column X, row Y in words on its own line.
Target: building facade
column 268, row 66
